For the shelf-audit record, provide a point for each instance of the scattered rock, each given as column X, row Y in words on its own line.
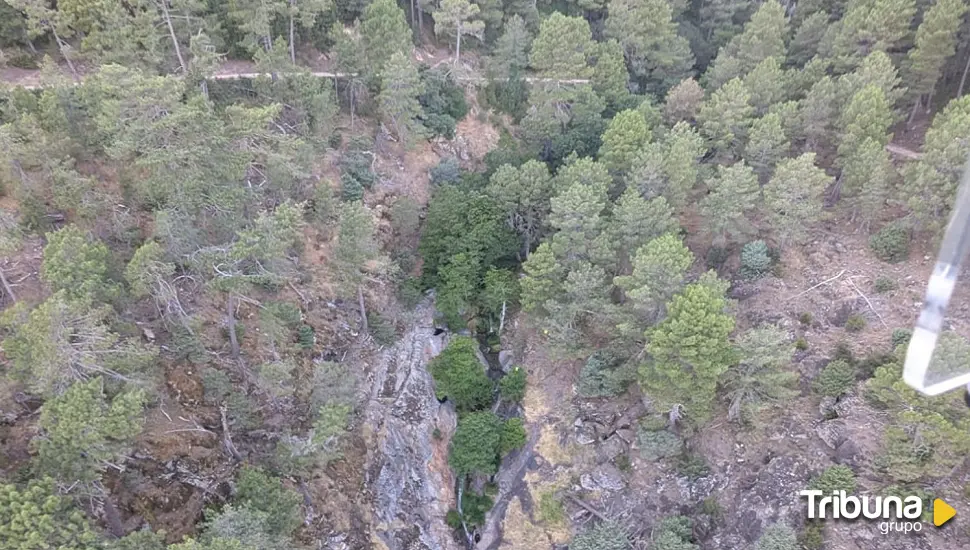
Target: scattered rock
column 848, row 453
column 610, row 449
column 605, row 477
column 505, row 359
column 148, row 333
column 832, row 433
column 827, row 407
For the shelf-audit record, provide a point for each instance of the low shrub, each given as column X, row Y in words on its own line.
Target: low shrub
column 855, row 323
column 601, row 376
column 607, row 535
column 884, row 284
column 890, row 244
column 512, row 385
column 656, row 444
column 835, row 478
column 805, row 318
column 755, row 260
column 513, row 436
column 835, row 379
column 801, row 344
column 901, row 337
column 445, row 172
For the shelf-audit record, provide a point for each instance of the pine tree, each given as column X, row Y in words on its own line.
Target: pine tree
column 818, row 116
column 580, row 228
column 561, row 47
column 304, row 13
column 625, row 135
column 727, row 209
column 877, row 69
column 719, row 20
column 935, row 43
column 610, row 78
column 648, row 34
column 542, row 280
column 866, row 179
column 932, row 182
column 82, row 433
column 689, row 351
column 459, row 18
column 400, row 87
column 636, row 221
column 766, row 145
column 871, row 25
column 524, row 194
column 763, row 37
column 255, row 18
column 659, row 268
column 78, row 266
column 510, row 55
column 683, row 149
column 683, row 101
column 768, row 85
column 808, row 37
column 583, row 308
column 39, row 516
column 725, row 117
column 384, row 32
column 867, row 116
column 760, row 378
column 793, row 197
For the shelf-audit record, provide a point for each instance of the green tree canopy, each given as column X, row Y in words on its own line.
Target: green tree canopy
column 460, row 377
column 689, row 351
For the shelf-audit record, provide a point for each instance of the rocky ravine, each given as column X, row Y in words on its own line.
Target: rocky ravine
column 407, row 464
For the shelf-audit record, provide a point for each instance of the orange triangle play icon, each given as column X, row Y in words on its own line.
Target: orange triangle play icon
column 942, row 512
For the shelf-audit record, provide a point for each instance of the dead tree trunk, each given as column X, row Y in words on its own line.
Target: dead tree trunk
column 292, row 47
column 6, row 286
column 963, row 79
column 60, row 46
column 171, row 33
column 233, row 341
column 363, row 312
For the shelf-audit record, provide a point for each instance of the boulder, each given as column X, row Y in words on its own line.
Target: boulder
column 832, row 433
column 505, row 359
column 605, row 477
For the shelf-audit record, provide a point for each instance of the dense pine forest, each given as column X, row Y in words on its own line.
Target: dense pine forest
column 442, row 274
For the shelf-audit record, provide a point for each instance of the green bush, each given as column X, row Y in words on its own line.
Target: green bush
column 890, row 244
column 453, row 519
column 884, row 284
column 778, row 537
column 805, row 318
column 692, row 466
column 801, row 344
column 551, row 509
column 512, row 385
column 835, row 478
column 716, row 256
column 901, row 337
column 381, row 329
column 513, row 436
column 475, row 446
column 443, row 102
column 306, row 337
column 37, row 516
column 475, row 507
column 673, row 533
column 607, row 535
column 812, row 536
column 658, row 444
column 460, row 377
column 445, row 172
column 755, row 260
column 601, row 377
column 257, row 490
column 855, row 323
column 835, row 379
